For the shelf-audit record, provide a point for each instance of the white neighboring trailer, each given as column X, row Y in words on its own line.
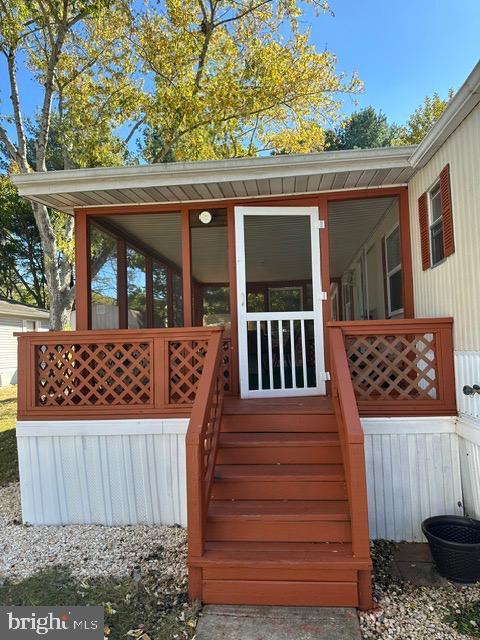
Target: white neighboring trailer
column 15, row 317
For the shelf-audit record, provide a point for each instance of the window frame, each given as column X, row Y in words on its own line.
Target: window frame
column 391, row 272
column 434, row 224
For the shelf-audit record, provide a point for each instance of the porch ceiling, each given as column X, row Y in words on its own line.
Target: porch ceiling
column 276, row 248
column 351, row 224
column 219, row 179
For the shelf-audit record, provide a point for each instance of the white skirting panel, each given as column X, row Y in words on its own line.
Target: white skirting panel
column 112, row 472
column 469, row 446
column 467, row 372
column 413, row 472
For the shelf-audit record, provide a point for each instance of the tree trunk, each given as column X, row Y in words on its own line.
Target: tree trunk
column 58, row 270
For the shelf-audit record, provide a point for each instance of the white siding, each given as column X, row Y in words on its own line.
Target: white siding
column 107, row 472
column 467, row 372
column 452, row 288
column 10, row 324
column 8, row 343
column 413, row 473
column 469, row 446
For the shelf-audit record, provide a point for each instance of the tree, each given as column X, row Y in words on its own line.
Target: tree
column 231, row 79
column 195, row 79
column 422, row 119
column 75, row 51
column 365, row 129
column 21, row 256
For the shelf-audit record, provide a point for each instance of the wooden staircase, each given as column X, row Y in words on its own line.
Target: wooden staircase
column 284, row 522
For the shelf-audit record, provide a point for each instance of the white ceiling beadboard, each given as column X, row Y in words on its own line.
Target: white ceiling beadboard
column 219, row 179
column 276, row 246
column 351, row 223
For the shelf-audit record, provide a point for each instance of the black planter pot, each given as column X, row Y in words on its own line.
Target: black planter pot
column 455, row 545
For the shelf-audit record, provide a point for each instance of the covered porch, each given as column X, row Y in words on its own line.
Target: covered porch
column 264, row 326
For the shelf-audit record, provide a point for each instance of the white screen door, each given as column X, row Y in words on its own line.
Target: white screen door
column 280, row 296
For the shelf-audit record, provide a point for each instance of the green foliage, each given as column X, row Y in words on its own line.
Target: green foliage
column 229, row 79
column 21, row 257
column 151, row 607
column 466, row 621
column 365, row 129
column 8, row 441
column 422, row 119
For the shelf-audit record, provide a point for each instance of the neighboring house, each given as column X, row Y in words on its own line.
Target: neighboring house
column 14, row 317
column 345, row 288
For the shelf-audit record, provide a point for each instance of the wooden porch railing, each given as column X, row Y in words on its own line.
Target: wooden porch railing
column 352, row 444
column 114, row 374
column 400, row 367
column 202, row 443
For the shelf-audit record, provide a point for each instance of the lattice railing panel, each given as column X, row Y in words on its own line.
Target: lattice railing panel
column 393, row 367
column 186, row 359
column 75, row 374
column 227, row 365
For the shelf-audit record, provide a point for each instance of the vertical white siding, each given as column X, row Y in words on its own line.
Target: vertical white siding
column 452, row 288
column 469, row 447
column 467, row 372
column 110, row 473
column 412, row 473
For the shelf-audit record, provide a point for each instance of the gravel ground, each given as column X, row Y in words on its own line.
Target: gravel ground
column 88, row 550
column 140, row 569
column 407, row 612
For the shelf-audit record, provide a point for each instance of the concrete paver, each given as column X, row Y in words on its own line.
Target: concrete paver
column 228, row 622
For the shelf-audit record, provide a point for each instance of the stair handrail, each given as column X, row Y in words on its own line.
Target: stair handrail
column 351, row 440
column 202, row 442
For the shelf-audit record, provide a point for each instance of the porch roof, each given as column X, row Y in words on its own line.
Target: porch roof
column 219, row 179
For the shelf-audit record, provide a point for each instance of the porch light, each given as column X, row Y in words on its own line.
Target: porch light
column 205, row 217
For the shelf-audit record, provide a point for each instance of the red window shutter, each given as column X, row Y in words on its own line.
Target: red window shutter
column 424, row 230
column 447, row 214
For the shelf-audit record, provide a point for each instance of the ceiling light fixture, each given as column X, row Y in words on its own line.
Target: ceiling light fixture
column 205, row 217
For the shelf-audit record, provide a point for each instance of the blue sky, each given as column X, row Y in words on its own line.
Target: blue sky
column 402, row 50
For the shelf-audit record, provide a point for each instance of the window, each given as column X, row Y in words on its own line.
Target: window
column 104, row 286
column 136, row 289
column 436, row 225
column 393, row 272
column 30, row 325
column 160, row 295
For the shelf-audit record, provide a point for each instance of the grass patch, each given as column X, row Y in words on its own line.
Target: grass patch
column 151, row 606
column 8, row 407
column 466, row 620
column 8, row 443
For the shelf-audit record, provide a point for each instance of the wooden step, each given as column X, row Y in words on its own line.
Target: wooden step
column 280, row 593
column 282, row 406
column 284, row 511
column 268, row 555
column 275, row 530
column 277, row 489
column 285, row 472
column 273, row 448
column 279, row 423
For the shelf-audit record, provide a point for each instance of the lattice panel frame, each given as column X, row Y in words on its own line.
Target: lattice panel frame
column 393, row 366
column 185, row 365
column 94, row 373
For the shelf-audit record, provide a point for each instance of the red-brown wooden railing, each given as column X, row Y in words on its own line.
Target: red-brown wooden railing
column 400, row 367
column 113, row 374
column 202, row 443
column 352, row 445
